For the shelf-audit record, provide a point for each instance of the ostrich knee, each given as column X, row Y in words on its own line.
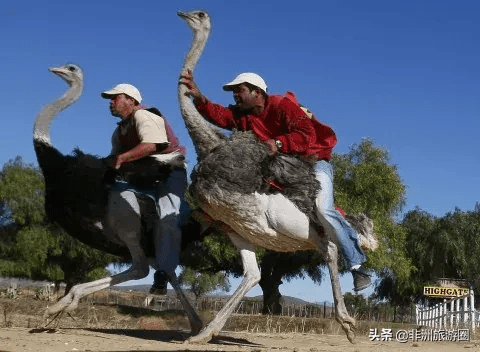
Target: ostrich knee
column 140, row 272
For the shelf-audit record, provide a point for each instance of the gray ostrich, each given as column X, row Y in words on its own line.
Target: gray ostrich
column 228, row 183
column 78, row 199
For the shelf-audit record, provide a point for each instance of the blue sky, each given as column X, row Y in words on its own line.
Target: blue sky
column 404, row 73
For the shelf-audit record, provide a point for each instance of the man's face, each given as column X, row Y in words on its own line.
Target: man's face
column 121, row 105
column 245, row 98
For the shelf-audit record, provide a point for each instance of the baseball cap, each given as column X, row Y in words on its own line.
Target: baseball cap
column 247, row 77
column 123, row 88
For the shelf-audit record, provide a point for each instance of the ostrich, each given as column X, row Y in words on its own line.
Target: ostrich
column 77, row 198
column 228, row 183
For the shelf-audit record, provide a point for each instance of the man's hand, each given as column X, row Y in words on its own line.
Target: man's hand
column 119, row 161
column 193, row 90
column 273, row 147
column 142, row 150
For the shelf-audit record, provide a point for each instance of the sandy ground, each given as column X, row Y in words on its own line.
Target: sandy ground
column 125, row 328
column 56, row 340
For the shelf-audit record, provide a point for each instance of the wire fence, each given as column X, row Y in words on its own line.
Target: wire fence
column 379, row 312
column 246, row 306
column 367, row 311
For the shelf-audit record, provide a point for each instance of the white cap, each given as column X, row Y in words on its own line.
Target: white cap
column 123, row 88
column 247, row 77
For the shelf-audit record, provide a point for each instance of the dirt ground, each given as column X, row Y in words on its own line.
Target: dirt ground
column 22, row 339
column 112, row 328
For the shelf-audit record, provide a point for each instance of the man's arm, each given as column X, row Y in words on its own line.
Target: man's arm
column 152, row 134
column 214, row 113
column 142, row 150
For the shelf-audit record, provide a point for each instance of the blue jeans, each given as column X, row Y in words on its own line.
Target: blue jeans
column 333, row 222
column 173, row 211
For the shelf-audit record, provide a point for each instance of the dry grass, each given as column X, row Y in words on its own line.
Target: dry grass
column 26, row 310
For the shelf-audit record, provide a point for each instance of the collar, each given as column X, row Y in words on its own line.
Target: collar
column 123, row 122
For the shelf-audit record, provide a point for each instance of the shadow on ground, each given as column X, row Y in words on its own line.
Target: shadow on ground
column 170, row 336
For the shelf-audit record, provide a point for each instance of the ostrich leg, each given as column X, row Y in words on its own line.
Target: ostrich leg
column 341, row 314
column 196, row 324
column 251, row 278
column 124, row 219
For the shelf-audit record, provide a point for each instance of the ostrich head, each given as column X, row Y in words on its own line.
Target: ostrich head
column 70, row 73
column 198, row 20
column 73, row 75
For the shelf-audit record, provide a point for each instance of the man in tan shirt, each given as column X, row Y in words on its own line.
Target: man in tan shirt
column 141, row 134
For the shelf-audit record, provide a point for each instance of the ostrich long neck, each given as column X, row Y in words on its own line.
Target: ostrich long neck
column 203, row 135
column 41, row 130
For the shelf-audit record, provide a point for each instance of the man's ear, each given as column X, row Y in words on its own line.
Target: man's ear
column 133, row 101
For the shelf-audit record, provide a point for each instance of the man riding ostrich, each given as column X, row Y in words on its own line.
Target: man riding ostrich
column 80, row 198
column 229, row 185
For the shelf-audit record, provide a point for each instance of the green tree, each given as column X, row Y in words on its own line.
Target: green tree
column 275, row 268
column 202, row 283
column 438, row 247
column 357, row 305
column 31, row 247
column 366, row 182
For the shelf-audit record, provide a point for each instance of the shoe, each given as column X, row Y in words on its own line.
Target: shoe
column 361, row 279
column 160, row 282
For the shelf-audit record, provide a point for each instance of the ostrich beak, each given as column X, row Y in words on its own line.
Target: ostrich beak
column 58, row 70
column 185, row 16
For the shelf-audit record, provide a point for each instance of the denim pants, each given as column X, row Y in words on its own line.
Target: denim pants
column 333, row 222
column 173, row 210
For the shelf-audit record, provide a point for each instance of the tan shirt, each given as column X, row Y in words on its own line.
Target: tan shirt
column 143, row 127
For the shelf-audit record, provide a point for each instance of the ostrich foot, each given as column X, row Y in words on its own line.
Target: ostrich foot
column 348, row 325
column 203, row 337
column 349, row 332
column 66, row 304
column 55, row 318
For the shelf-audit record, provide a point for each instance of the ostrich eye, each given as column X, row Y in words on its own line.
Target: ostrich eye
column 71, row 68
column 201, row 15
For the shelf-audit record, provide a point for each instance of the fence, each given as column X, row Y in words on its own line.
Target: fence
column 247, row 306
column 456, row 312
column 373, row 312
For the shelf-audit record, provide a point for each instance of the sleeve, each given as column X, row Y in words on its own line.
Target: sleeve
column 217, row 114
column 301, row 132
column 150, row 127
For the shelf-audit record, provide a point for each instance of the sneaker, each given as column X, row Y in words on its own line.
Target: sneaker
column 361, row 279
column 160, row 282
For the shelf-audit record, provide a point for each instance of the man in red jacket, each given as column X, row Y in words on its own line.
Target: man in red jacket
column 284, row 126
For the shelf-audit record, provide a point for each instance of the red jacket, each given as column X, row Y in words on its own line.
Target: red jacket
column 282, row 119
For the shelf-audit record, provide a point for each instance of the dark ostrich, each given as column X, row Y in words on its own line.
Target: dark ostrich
column 77, row 189
column 77, row 185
